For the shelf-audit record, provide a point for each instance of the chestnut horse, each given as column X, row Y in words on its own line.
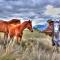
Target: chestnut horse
column 17, row 31
column 4, row 25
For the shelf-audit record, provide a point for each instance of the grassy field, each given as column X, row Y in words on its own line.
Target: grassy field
column 34, row 46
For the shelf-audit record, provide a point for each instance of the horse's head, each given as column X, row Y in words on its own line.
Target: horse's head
column 29, row 26
column 14, row 21
column 50, row 22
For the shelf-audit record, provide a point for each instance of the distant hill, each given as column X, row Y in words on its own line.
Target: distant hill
column 40, row 27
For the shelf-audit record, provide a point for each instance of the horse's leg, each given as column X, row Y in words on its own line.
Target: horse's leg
column 21, row 36
column 5, row 39
column 5, row 35
column 10, row 41
column 9, row 45
column 11, row 38
column 18, row 40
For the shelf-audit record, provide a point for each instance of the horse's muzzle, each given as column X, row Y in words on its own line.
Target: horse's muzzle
column 31, row 30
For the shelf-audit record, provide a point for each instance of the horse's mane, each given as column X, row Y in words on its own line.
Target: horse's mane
column 18, row 25
column 14, row 21
column 25, row 22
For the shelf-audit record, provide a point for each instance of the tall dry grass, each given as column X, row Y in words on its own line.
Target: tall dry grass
column 34, row 46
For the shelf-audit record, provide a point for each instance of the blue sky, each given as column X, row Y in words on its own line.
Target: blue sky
column 38, row 11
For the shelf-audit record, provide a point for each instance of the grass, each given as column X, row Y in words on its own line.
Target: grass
column 34, row 46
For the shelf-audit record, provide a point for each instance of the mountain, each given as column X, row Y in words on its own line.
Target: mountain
column 40, row 27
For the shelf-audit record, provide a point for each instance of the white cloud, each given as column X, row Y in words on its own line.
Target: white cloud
column 8, row 7
column 52, row 11
column 39, row 21
column 36, row 23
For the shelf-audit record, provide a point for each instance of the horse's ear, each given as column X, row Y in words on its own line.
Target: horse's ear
column 29, row 21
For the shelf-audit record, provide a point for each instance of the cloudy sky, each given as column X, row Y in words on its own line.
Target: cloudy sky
column 38, row 11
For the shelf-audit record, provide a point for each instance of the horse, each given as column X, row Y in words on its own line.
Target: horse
column 50, row 29
column 4, row 25
column 17, row 31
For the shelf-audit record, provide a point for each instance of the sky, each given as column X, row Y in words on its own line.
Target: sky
column 39, row 11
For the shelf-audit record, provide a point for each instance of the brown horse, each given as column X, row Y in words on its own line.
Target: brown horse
column 4, row 25
column 17, row 31
column 50, row 28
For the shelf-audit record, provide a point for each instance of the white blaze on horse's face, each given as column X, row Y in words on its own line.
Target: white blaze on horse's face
column 29, row 26
column 56, row 26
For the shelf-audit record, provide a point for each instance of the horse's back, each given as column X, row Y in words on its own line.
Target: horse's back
column 3, row 26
